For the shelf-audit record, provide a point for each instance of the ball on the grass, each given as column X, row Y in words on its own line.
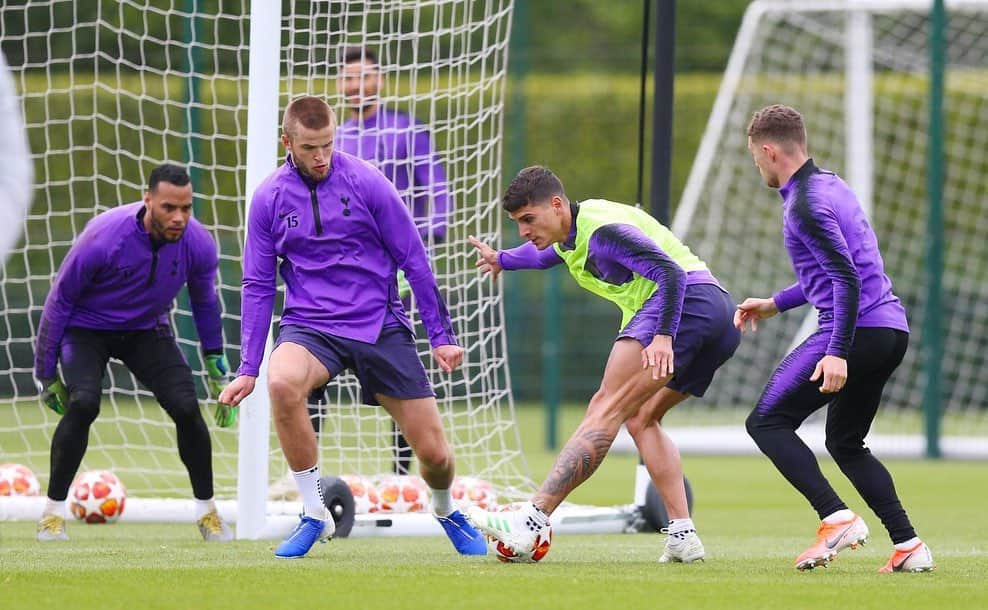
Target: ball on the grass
column 403, row 494
column 539, row 550
column 18, row 480
column 472, row 491
column 366, row 498
column 97, row 496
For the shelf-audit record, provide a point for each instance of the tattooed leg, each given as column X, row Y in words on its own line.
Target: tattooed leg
column 581, row 456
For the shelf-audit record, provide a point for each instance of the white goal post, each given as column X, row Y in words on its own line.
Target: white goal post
column 859, row 71
column 111, row 88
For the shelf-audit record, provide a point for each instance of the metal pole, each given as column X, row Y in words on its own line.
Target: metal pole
column 932, row 323
column 665, row 54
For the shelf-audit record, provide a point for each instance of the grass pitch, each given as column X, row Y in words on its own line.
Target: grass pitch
column 752, row 523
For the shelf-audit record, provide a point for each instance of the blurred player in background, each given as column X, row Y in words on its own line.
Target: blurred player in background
column 341, row 232
column 16, row 171
column 402, row 148
column 111, row 299
column 861, row 339
column 675, row 332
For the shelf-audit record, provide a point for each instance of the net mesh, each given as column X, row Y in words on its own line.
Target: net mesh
column 112, row 88
column 797, row 55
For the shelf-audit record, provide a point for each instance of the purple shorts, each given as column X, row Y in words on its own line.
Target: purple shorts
column 705, row 340
column 391, row 366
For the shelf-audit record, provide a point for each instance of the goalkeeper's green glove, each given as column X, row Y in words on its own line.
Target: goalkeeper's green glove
column 54, row 394
column 217, row 369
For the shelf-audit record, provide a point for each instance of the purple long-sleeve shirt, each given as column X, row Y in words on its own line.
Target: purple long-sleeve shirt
column 340, row 242
column 402, row 148
column 834, row 253
column 115, row 277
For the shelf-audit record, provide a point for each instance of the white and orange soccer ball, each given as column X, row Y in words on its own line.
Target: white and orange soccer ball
column 472, row 491
column 403, row 494
column 97, row 496
column 18, row 480
column 366, row 498
column 539, row 550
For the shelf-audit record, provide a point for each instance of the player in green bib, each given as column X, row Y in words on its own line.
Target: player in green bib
column 676, row 330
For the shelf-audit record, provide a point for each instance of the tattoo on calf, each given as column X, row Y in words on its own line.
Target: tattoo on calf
column 578, row 460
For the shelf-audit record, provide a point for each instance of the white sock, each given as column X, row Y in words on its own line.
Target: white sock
column 308, row 487
column 908, row 544
column 538, row 517
column 680, row 527
column 840, row 516
column 204, row 507
column 54, row 507
column 442, row 502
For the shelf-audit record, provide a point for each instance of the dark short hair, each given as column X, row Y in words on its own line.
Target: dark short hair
column 532, row 185
column 778, row 123
column 354, row 54
column 310, row 111
column 170, row 173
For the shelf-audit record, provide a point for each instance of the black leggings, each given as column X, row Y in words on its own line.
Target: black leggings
column 158, row 363
column 790, row 397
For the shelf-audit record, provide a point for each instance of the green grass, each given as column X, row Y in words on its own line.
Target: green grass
column 752, row 524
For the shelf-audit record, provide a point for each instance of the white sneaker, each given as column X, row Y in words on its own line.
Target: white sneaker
column 917, row 559
column 686, row 549
column 516, row 529
column 284, row 488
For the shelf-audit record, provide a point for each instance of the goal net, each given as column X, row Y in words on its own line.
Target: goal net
column 860, row 74
column 112, row 88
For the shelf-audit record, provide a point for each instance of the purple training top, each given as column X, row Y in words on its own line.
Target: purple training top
column 340, row 243
column 115, row 277
column 401, row 148
column 834, row 253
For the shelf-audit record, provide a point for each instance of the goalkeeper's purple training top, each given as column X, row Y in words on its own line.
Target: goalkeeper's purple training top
column 401, row 147
column 115, row 277
column 340, row 242
column 834, row 253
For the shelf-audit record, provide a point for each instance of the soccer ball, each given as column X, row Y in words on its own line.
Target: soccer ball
column 18, row 480
column 403, row 494
column 539, row 550
column 471, row 491
column 366, row 498
column 97, row 496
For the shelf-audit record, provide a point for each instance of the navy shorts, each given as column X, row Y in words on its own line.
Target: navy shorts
column 706, row 338
column 391, row 366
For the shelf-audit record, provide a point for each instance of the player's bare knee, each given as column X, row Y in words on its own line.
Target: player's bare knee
column 285, row 391
column 435, row 456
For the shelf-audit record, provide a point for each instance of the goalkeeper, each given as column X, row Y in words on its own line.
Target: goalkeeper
column 675, row 333
column 111, row 299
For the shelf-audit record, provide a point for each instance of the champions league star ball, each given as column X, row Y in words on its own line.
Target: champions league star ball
column 471, row 491
column 403, row 494
column 366, row 498
column 539, row 550
column 18, row 480
column 97, row 496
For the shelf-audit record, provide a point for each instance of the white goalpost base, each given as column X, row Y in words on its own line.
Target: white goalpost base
column 282, row 517
column 206, row 89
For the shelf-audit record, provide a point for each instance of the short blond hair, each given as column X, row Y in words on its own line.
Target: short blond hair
column 309, row 111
